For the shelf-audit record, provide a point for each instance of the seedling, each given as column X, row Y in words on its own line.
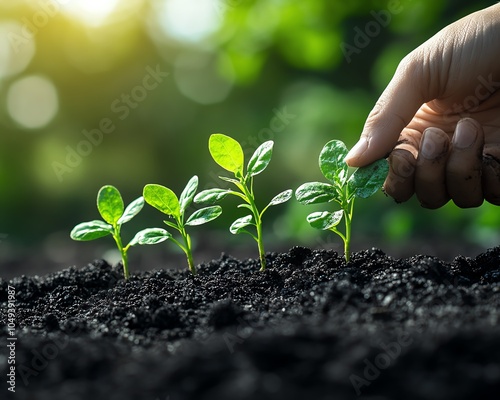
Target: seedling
column 111, row 207
column 228, row 153
column 342, row 189
column 166, row 201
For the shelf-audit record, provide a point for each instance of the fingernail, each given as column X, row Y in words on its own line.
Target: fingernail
column 358, row 149
column 433, row 145
column 465, row 134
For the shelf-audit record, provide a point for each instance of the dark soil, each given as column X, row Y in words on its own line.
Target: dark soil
column 310, row 327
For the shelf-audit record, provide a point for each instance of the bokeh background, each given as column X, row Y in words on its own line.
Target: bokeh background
column 145, row 83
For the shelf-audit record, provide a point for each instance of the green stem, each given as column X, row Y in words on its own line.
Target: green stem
column 260, row 245
column 125, row 264
column 187, row 250
column 348, row 223
column 337, row 232
column 190, row 261
column 123, row 252
column 258, row 224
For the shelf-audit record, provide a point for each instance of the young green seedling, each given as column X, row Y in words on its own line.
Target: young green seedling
column 111, row 207
column 228, row 153
column 342, row 189
column 166, row 201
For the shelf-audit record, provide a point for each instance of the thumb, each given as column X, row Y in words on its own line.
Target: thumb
column 393, row 111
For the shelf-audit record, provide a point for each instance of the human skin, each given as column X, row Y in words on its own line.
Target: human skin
column 439, row 118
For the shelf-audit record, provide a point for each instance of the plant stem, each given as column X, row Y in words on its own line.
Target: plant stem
column 348, row 222
column 187, row 250
column 260, row 245
column 125, row 264
column 123, row 252
column 190, row 261
column 258, row 224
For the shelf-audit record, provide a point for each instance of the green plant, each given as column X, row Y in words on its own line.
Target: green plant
column 342, row 189
column 111, row 207
column 228, row 153
column 166, row 201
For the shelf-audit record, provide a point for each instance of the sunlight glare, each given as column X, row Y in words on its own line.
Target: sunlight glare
column 92, row 12
column 190, row 20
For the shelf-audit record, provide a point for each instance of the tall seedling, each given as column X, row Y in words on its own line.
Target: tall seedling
column 228, row 153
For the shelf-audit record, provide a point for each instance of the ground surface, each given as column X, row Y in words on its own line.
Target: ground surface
column 310, row 327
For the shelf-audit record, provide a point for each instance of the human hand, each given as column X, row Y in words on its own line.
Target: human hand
column 439, row 118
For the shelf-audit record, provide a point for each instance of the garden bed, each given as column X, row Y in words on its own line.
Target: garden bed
column 309, row 327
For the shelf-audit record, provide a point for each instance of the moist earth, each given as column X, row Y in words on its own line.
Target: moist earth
column 310, row 327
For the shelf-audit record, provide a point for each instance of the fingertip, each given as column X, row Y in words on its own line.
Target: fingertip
column 355, row 156
column 400, row 180
column 464, row 166
column 467, row 132
column 430, row 175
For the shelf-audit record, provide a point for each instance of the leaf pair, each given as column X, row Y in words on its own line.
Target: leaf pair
column 240, row 224
column 363, row 183
column 166, row 201
column 111, row 208
column 342, row 188
column 228, row 153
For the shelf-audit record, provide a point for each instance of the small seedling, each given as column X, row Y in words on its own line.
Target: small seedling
column 111, row 207
column 228, row 153
column 166, row 201
column 343, row 189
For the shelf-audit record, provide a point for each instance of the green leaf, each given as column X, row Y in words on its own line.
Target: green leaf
column 240, row 224
column 110, row 204
column 171, row 224
column 245, row 205
column 280, row 198
column 227, row 152
column 204, row 215
column 366, row 181
column 325, row 220
column 91, row 230
column 210, row 196
column 260, row 158
column 235, row 182
column 231, row 180
column 188, row 193
column 315, row 193
column 331, row 162
column 163, row 199
column 132, row 210
column 150, row 236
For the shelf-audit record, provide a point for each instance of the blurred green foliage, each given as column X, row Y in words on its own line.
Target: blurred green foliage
column 253, row 69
